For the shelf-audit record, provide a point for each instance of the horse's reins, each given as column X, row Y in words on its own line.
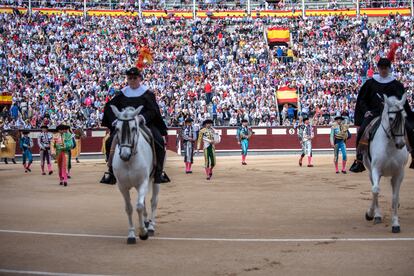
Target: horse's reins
column 397, row 123
column 124, row 136
column 398, row 116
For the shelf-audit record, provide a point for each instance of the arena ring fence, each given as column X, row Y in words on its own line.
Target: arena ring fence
column 265, row 139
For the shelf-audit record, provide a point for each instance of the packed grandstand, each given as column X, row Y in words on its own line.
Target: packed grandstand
column 63, row 68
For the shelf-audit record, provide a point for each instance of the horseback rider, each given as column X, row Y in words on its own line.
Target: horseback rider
column 135, row 95
column 370, row 105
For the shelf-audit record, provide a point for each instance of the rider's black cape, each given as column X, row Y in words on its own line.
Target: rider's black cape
column 370, row 98
column 151, row 111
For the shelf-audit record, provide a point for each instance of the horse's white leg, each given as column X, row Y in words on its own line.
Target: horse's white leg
column 396, row 184
column 142, row 192
column 369, row 215
column 154, row 203
column 128, row 209
column 145, row 214
column 376, row 178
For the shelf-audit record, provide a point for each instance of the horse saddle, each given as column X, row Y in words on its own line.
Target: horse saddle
column 147, row 134
column 368, row 135
column 370, row 131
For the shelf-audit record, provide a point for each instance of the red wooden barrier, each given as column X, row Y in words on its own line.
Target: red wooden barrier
column 281, row 138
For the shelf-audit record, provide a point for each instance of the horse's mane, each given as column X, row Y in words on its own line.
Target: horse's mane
column 126, row 114
column 125, row 131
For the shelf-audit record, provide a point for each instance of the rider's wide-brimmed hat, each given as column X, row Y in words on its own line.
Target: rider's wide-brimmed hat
column 25, row 131
column 207, row 121
column 133, row 71
column 62, row 127
column 384, row 62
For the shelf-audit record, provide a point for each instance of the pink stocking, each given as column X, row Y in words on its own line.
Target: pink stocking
column 343, row 165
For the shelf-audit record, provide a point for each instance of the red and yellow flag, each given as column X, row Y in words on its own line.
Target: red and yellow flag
column 6, row 98
column 278, row 34
column 286, row 94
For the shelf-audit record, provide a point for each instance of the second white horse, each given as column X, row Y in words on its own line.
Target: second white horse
column 389, row 155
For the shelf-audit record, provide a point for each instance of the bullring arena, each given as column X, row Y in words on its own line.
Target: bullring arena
column 269, row 63
column 271, row 217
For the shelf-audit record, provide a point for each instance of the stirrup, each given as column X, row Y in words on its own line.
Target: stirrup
column 108, row 178
column 357, row 167
column 165, row 178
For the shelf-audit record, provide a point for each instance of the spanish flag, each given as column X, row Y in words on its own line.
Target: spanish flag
column 278, row 34
column 286, row 94
column 6, row 98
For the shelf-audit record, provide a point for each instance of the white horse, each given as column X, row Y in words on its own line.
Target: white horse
column 133, row 166
column 389, row 156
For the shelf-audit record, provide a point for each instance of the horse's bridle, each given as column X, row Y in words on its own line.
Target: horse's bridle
column 393, row 135
column 132, row 145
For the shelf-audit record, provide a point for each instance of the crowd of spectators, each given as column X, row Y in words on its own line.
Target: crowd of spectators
column 212, row 5
column 64, row 68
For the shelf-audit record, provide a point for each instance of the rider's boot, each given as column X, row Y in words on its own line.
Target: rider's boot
column 358, row 165
column 109, row 177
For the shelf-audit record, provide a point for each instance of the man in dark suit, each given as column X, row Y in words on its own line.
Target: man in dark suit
column 134, row 95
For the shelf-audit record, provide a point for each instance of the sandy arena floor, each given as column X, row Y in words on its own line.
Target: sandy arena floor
column 268, row 218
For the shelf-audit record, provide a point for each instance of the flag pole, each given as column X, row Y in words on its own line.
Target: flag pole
column 412, row 8
column 249, row 8
column 303, row 9
column 140, row 9
column 194, row 9
column 358, row 11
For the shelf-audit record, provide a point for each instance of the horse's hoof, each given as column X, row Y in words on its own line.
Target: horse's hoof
column 377, row 220
column 151, row 233
column 131, row 241
column 396, row 229
column 146, row 223
column 144, row 237
column 368, row 217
